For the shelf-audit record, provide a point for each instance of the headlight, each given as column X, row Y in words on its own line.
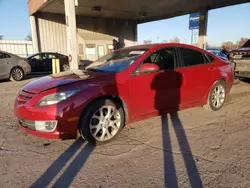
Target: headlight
column 56, row 97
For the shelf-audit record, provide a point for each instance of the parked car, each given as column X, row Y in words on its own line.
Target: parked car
column 13, row 67
column 219, row 53
column 128, row 85
column 241, row 58
column 42, row 62
column 84, row 63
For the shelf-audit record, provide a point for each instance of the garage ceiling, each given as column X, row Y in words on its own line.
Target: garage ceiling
column 139, row 10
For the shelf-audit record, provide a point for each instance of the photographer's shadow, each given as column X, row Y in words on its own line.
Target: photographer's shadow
column 168, row 94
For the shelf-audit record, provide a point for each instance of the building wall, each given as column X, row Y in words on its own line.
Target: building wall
column 51, row 35
column 51, row 30
column 21, row 48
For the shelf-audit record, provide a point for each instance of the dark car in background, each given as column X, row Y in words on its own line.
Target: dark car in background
column 241, row 59
column 221, row 53
column 42, row 62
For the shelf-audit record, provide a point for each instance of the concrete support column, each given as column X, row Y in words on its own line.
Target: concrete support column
column 33, row 25
column 203, row 29
column 72, row 44
column 136, row 34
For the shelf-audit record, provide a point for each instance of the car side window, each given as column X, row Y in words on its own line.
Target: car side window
column 4, row 56
column 44, row 56
column 37, row 57
column 191, row 57
column 52, row 56
column 209, row 58
column 1, row 56
column 164, row 58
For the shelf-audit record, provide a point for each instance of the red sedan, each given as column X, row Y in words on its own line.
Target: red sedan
column 125, row 86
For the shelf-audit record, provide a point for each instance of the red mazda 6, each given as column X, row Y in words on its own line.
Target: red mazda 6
column 125, row 86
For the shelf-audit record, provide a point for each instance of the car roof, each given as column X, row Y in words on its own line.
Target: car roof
column 46, row 53
column 13, row 55
column 153, row 46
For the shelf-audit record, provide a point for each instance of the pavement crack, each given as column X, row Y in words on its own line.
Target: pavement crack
column 39, row 153
column 187, row 153
column 2, row 145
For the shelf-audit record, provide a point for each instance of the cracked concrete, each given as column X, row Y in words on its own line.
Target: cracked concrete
column 198, row 148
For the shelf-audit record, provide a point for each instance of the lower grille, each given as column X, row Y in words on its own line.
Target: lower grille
column 27, row 124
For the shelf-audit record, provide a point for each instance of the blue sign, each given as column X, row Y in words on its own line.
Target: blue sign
column 194, row 21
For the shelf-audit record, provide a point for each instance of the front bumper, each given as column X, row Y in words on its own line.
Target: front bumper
column 64, row 114
column 51, row 135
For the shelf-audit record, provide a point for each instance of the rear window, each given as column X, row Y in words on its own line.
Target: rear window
column 209, row 58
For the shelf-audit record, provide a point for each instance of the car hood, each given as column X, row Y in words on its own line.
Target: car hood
column 60, row 79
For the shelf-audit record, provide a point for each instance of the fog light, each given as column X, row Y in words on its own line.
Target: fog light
column 45, row 126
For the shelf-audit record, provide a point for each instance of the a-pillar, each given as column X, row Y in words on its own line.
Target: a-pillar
column 33, row 25
column 203, row 29
column 72, row 44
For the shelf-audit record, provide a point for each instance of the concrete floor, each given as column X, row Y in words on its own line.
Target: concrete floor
column 194, row 148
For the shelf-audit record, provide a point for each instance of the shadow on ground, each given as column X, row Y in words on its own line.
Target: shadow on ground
column 170, row 175
column 82, row 150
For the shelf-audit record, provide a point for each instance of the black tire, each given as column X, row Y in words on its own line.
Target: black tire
column 16, row 74
column 84, row 124
column 210, row 106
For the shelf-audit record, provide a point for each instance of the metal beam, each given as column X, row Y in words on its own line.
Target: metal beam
column 72, row 44
column 203, row 29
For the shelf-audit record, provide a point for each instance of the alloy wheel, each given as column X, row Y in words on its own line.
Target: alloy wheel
column 218, row 96
column 105, row 123
column 17, row 74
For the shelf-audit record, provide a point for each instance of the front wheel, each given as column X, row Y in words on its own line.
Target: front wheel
column 216, row 96
column 101, row 122
column 16, row 74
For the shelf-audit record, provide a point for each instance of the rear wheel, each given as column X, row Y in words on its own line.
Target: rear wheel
column 65, row 67
column 16, row 74
column 101, row 122
column 216, row 96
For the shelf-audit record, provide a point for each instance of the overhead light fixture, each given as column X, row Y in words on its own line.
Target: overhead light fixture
column 97, row 9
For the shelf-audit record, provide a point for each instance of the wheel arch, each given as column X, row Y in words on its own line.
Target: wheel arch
column 111, row 97
column 16, row 66
column 210, row 87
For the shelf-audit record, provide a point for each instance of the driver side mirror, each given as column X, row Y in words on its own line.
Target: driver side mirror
column 33, row 59
column 148, row 67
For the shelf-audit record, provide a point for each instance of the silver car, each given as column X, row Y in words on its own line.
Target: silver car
column 13, row 67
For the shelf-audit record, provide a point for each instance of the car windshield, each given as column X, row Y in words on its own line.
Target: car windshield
column 116, row 61
column 113, row 66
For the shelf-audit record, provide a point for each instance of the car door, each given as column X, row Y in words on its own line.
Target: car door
column 3, row 66
column 46, row 63
column 36, row 63
column 158, row 91
column 197, row 73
